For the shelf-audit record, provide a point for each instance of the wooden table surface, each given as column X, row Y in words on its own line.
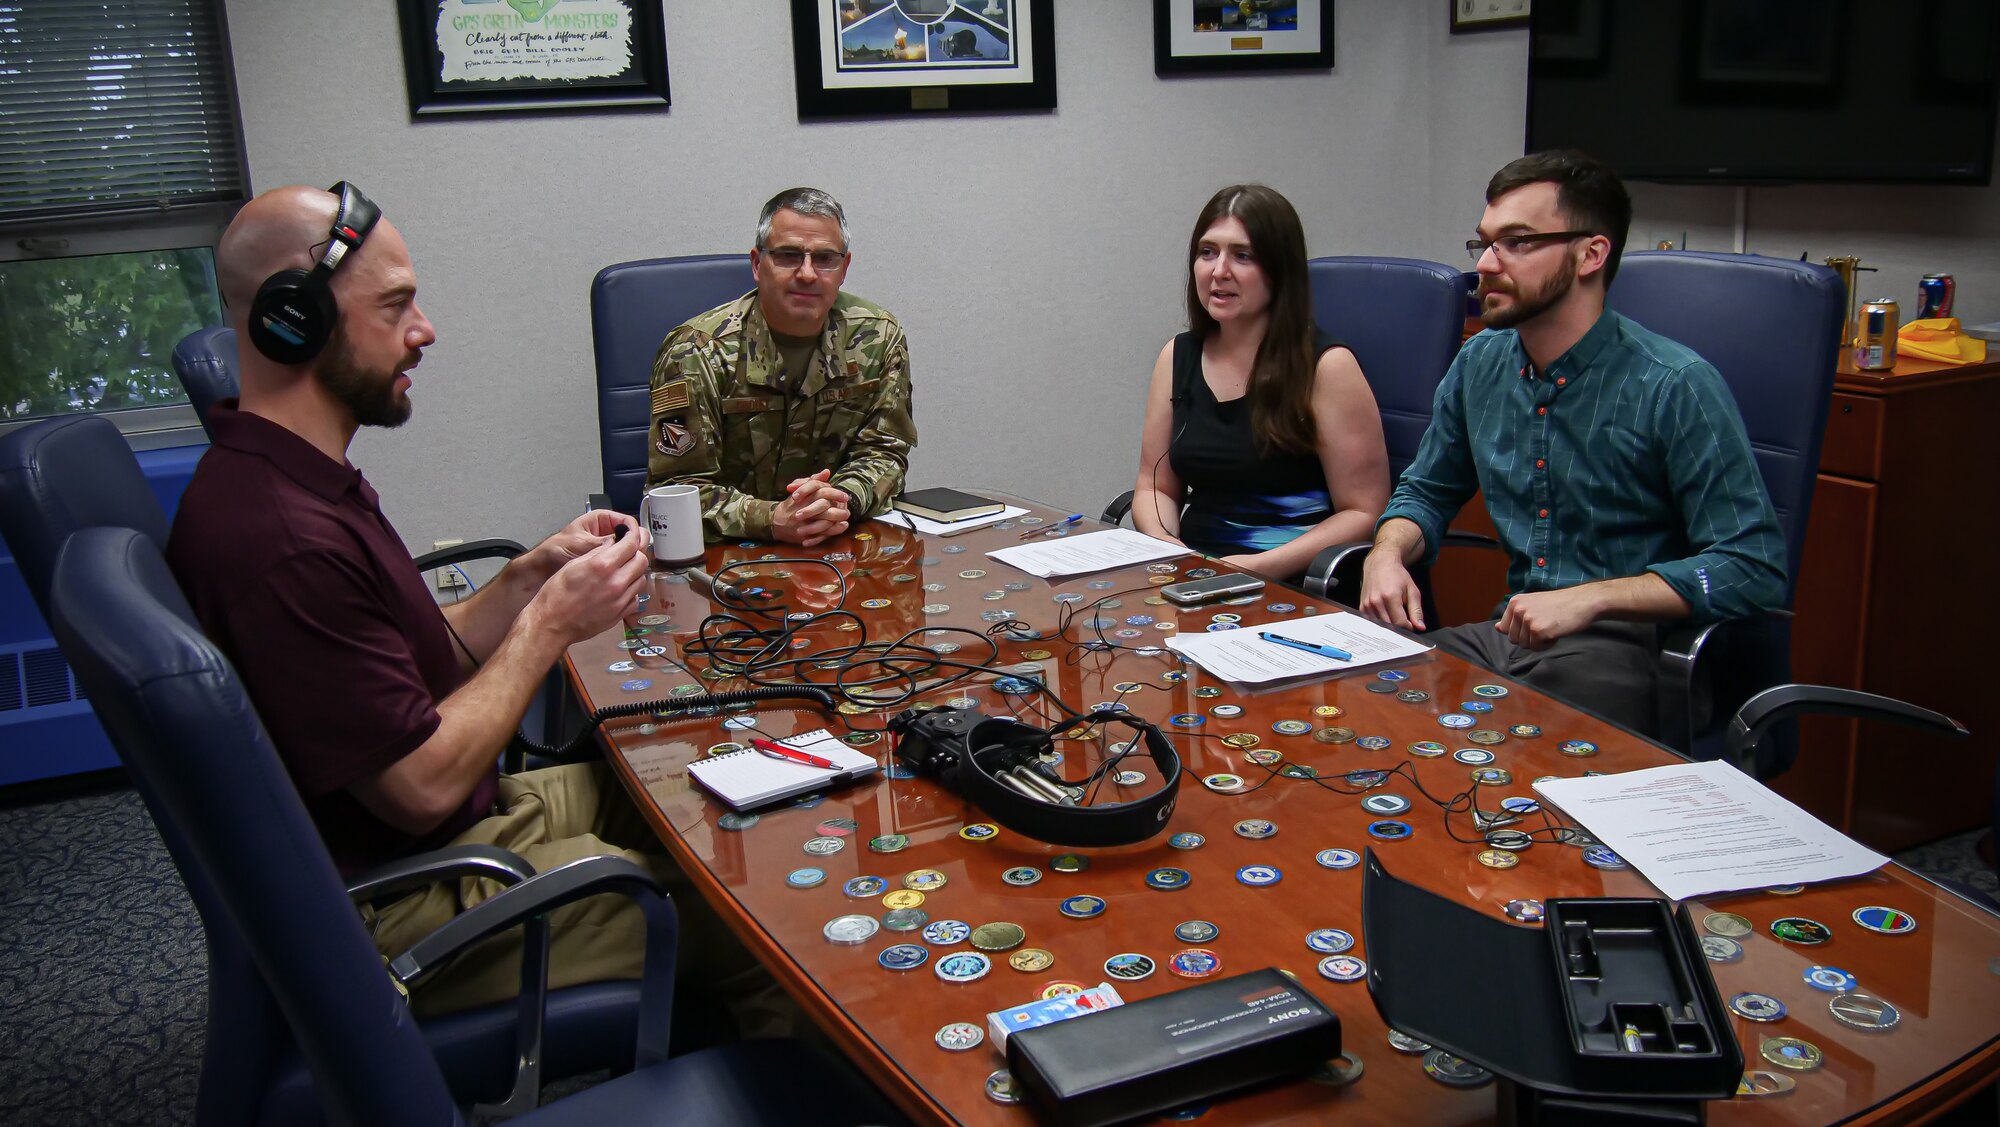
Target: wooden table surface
column 1944, row 976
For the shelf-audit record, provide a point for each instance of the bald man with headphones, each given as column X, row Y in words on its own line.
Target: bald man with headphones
column 390, row 711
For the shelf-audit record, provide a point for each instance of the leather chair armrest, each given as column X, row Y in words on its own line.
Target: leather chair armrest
column 1338, row 566
column 1116, row 511
column 596, row 502
column 1456, row 539
column 1782, row 702
column 453, row 862
column 469, row 551
column 527, row 905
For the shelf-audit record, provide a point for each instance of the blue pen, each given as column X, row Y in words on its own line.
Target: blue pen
column 1056, row 527
column 1309, row 647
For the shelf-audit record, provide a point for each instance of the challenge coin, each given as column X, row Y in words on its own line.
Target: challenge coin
column 1081, row 907
column 1187, row 841
column 944, row 933
column 1404, row 1043
column 1456, row 720
column 1757, row 1007
column 903, row 898
column 1021, row 875
column 1765, row 1084
column 1577, row 749
column 1720, row 949
column 1256, row 828
column 806, row 878
column 1372, row 743
column 1291, row 727
column 1329, row 711
column 1343, row 968
column 980, row 831
column 1490, row 692
column 850, row 930
column 1030, row 960
column 959, row 1036
column 1498, row 858
column 1485, row 736
column 1337, row 858
column 1453, row 1071
column 1002, row 1088
column 1196, row 931
column 963, row 966
column 735, row 821
column 1864, row 1011
column 1259, row 875
column 1339, row 1072
column 903, row 956
column 1060, row 989
column 1388, row 829
column 1427, row 749
column 1385, row 804
column 1524, row 731
column 1473, row 756
column 1726, row 923
column 905, row 919
column 1329, row 941
column 923, row 880
column 1831, row 979
column 1223, row 782
column 865, row 886
column 1334, row 735
column 1792, row 1053
column 1524, row 911
column 1168, row 880
column 823, row 846
column 1195, row 962
column 1393, row 675
column 1798, row 929
column 1599, row 857
column 1413, row 696
column 1128, row 967
column 1070, row 863
column 998, row 936
column 1888, row 921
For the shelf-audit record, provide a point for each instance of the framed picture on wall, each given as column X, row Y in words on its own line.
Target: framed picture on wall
column 873, row 57
column 1208, row 36
column 1483, row 15
column 464, row 56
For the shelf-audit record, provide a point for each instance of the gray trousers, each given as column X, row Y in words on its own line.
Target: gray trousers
column 1611, row 668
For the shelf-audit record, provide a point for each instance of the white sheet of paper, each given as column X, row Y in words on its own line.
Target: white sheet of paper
column 932, row 527
column 1049, row 557
column 1243, row 657
column 1695, row 828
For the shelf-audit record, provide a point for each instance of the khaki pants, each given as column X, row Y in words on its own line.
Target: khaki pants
column 550, row 818
column 1610, row 668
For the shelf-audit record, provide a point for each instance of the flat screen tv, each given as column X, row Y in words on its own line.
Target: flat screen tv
column 1750, row 91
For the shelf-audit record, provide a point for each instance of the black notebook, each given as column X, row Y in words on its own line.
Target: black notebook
column 946, row 505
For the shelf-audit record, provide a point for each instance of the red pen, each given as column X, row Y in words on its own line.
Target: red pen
column 793, row 754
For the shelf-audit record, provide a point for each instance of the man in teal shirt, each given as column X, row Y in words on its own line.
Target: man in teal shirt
column 1612, row 460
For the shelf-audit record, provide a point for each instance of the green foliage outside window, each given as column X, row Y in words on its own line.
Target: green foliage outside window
column 97, row 332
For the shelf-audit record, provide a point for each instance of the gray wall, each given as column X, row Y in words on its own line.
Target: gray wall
column 1036, row 260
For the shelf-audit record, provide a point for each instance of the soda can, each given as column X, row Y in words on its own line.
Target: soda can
column 1875, row 335
column 1934, row 294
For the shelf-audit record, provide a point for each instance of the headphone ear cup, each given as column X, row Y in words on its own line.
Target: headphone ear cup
column 292, row 316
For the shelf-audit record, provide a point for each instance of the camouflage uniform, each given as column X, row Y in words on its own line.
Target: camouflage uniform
column 722, row 418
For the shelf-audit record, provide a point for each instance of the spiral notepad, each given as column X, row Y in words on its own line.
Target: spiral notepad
column 749, row 778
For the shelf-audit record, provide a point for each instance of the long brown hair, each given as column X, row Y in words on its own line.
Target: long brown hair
column 1281, row 382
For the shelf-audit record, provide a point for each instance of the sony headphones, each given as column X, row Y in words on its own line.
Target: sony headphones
column 294, row 312
column 995, row 763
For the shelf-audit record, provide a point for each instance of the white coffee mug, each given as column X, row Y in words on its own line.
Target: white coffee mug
column 672, row 513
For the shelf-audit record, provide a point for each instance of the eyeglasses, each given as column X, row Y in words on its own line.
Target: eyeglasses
column 791, row 258
column 1513, row 246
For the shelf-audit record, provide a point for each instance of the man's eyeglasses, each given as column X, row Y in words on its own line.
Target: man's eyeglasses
column 1513, row 246
column 791, row 258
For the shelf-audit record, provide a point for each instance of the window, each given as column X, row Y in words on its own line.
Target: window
column 119, row 168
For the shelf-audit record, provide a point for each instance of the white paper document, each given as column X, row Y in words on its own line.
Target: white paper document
column 1243, row 657
column 1049, row 557
column 930, row 527
column 1694, row 828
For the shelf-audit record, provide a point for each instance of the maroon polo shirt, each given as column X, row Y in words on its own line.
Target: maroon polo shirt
column 295, row 573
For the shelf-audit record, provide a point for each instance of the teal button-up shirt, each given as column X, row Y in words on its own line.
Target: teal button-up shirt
column 1625, row 456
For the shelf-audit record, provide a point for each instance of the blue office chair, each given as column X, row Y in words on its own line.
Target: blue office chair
column 61, row 476
column 1403, row 318
column 205, row 361
column 633, row 305
column 180, row 719
column 1771, row 327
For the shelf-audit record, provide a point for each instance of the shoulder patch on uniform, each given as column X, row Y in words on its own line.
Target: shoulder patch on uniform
column 670, row 396
column 673, row 438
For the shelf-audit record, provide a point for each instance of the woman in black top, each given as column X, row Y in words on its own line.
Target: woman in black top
column 1258, row 422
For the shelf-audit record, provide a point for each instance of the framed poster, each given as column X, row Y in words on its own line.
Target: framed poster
column 484, row 55
column 863, row 57
column 1207, row 36
column 1484, row 15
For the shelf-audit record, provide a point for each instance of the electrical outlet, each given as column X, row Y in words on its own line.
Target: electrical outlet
column 448, row 578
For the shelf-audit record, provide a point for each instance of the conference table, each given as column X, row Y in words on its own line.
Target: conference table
column 943, row 592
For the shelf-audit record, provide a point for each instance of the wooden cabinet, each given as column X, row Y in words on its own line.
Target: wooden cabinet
column 1892, row 599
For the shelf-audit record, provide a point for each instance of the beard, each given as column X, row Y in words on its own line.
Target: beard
column 1528, row 305
column 370, row 395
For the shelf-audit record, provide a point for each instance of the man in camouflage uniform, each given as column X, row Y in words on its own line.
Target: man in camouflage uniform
column 790, row 406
